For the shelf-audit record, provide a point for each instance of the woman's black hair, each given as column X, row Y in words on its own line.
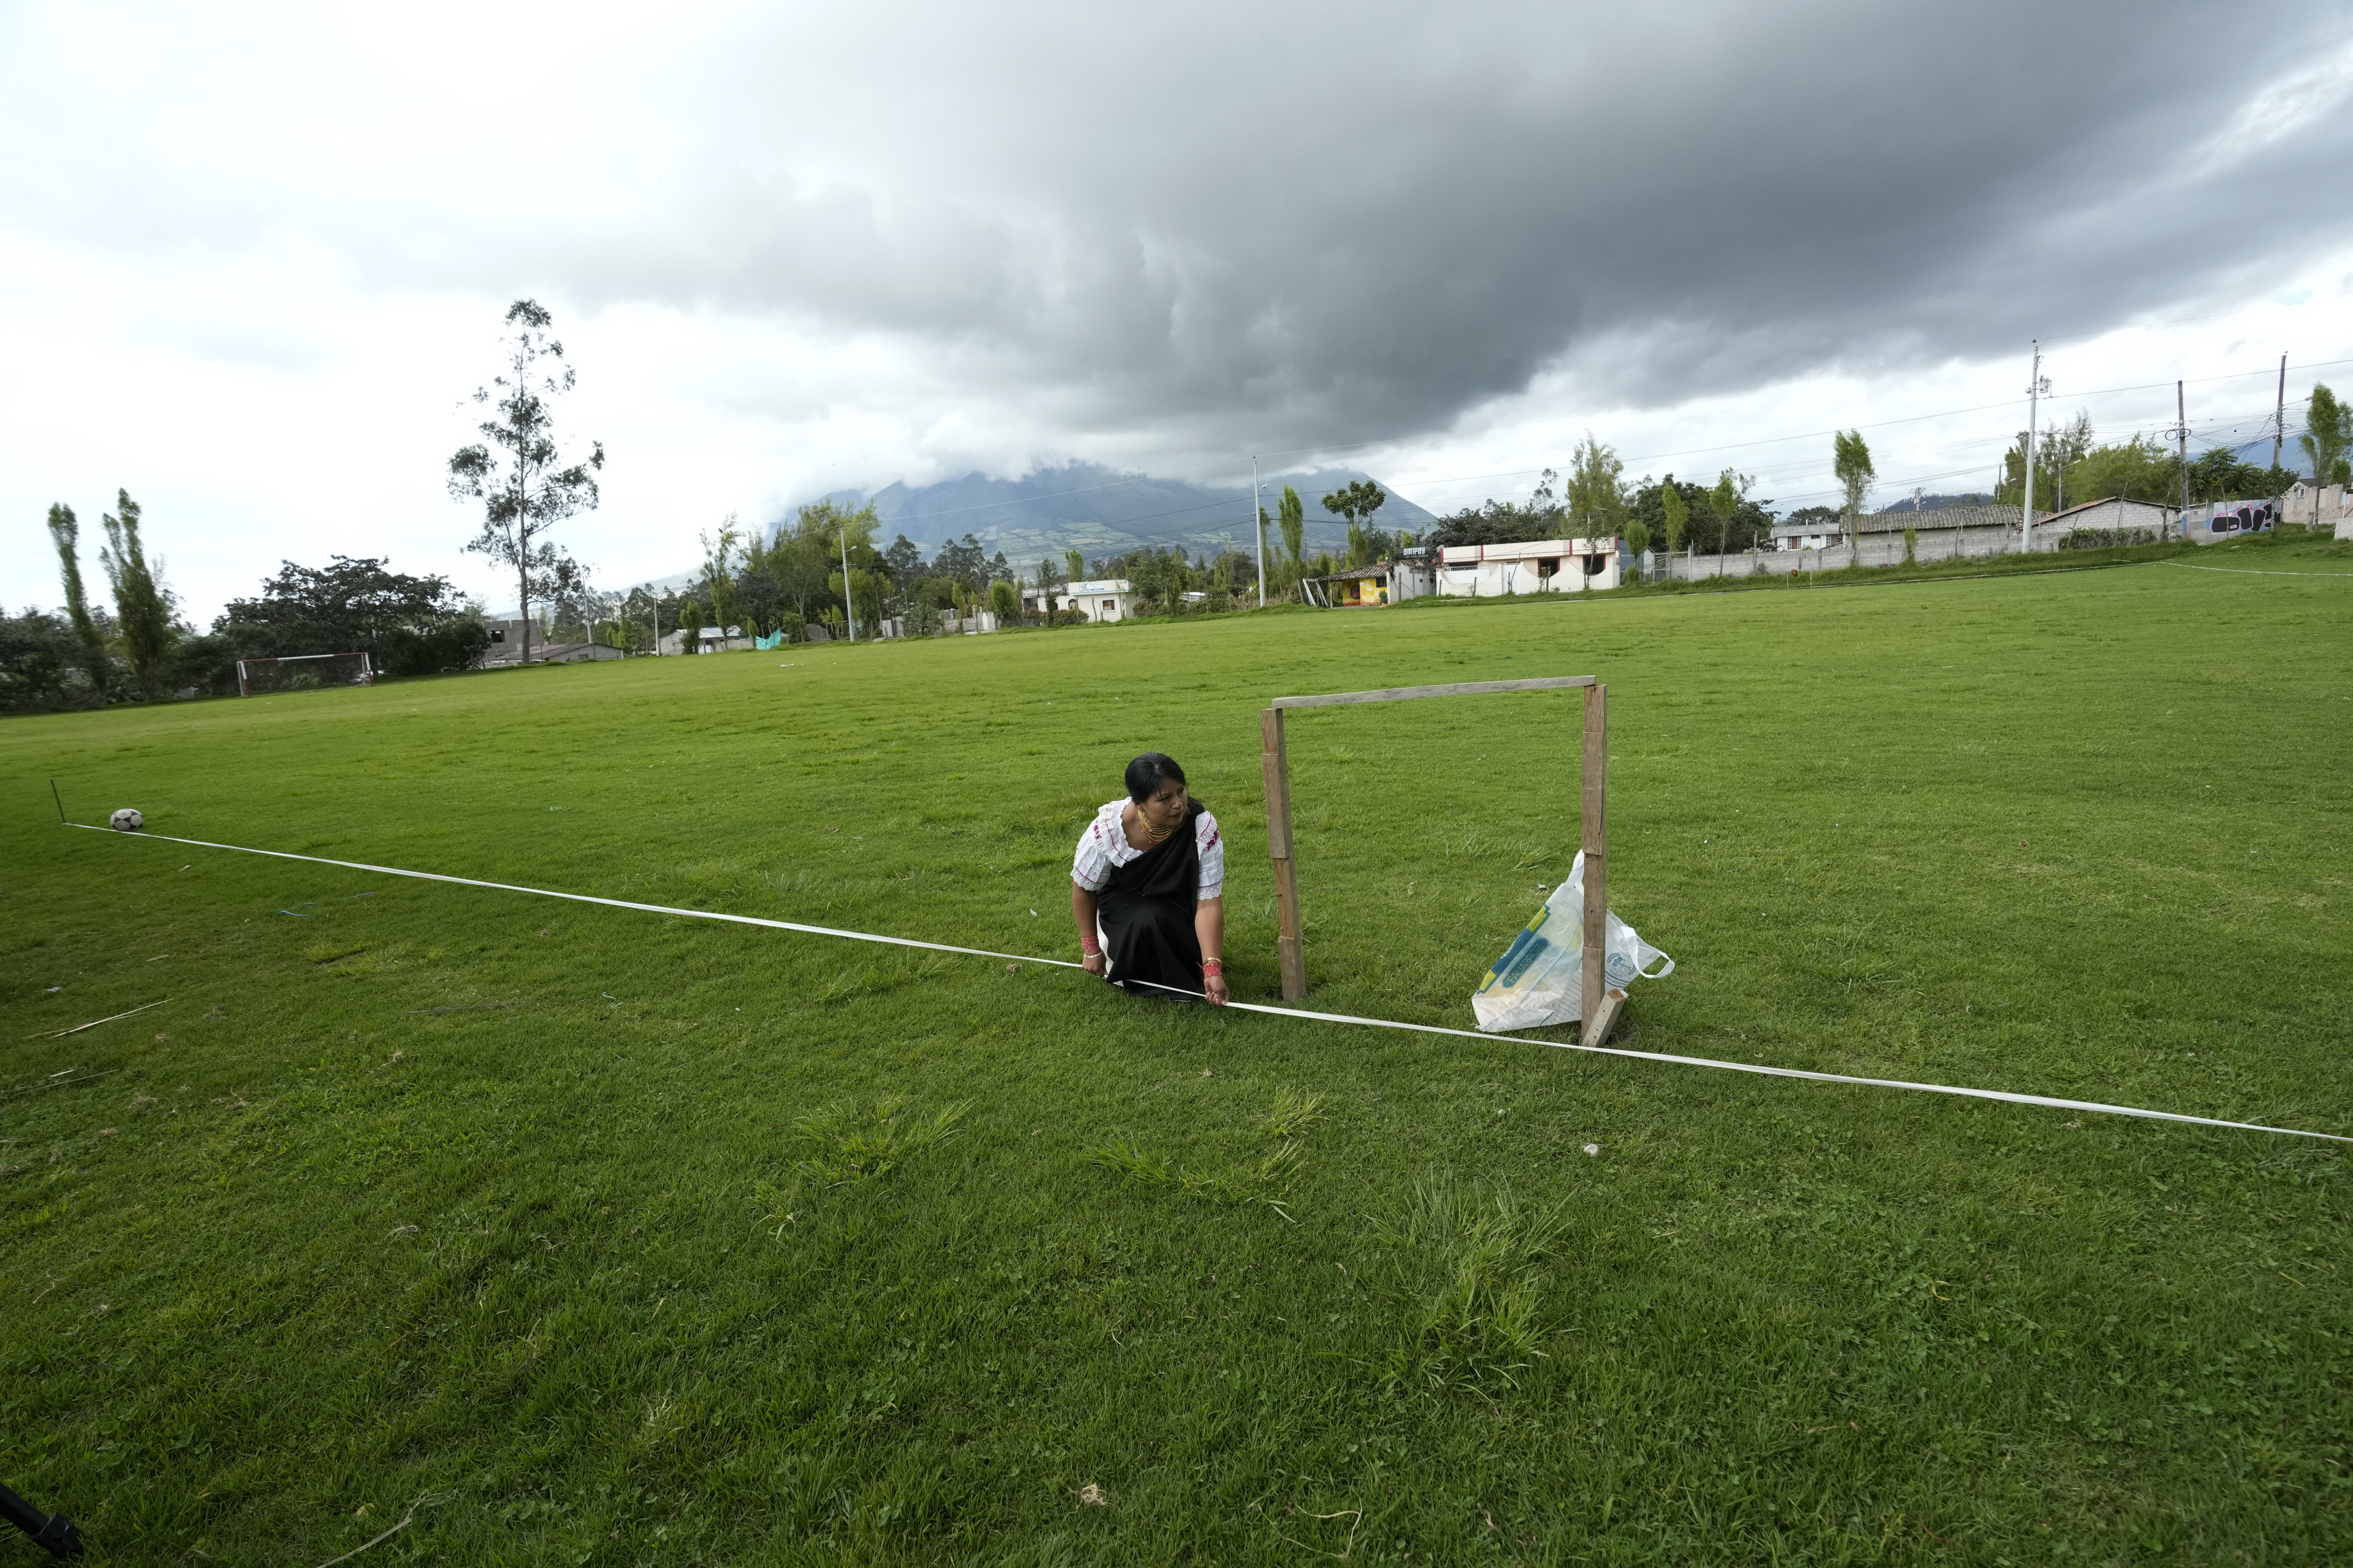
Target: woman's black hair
column 1148, row 773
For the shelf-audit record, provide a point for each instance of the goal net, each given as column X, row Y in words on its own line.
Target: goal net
column 304, row 673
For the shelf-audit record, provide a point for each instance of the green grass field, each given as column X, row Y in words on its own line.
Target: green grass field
column 695, row 1243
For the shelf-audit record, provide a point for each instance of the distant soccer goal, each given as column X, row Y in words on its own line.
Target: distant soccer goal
column 304, row 673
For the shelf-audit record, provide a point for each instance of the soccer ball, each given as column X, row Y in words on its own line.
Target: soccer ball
column 127, row 820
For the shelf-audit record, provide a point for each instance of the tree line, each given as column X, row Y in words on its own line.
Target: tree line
column 86, row 655
column 821, row 569
column 795, row 581
column 825, row 570
column 2071, row 468
column 1595, row 502
column 824, row 566
column 145, row 650
column 1288, row 564
column 142, row 648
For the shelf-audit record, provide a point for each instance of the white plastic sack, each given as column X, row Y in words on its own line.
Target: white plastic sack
column 1540, row 979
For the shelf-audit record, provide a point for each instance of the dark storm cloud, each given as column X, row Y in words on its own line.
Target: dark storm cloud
column 1373, row 221
column 1276, row 230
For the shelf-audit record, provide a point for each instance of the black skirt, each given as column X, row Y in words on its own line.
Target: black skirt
column 1146, row 911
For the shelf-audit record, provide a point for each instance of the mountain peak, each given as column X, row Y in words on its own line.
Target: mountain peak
column 1103, row 511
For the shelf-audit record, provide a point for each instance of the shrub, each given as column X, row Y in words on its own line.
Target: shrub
column 2104, row 538
column 41, row 665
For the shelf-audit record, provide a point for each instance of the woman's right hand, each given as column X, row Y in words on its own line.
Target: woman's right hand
column 1097, row 964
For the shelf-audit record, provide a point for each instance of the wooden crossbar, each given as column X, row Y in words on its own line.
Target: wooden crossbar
column 1464, row 688
column 1600, row 1001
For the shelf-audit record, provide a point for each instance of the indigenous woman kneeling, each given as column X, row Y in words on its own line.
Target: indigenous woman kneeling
column 1147, row 888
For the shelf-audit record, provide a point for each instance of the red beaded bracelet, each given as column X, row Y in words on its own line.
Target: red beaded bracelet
column 1213, row 966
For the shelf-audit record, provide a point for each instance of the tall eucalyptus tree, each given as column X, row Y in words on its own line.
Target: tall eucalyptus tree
column 65, row 533
column 525, row 484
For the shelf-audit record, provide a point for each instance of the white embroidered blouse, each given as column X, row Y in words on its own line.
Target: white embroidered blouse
column 1104, row 844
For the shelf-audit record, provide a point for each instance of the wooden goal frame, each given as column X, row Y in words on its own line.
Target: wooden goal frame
column 1601, row 1000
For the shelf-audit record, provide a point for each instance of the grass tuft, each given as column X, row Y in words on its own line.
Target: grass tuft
column 1137, row 1163
column 1293, row 1113
column 1266, row 1182
column 1470, row 1260
column 847, row 1144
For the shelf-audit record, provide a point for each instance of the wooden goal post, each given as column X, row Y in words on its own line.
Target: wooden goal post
column 1601, row 1001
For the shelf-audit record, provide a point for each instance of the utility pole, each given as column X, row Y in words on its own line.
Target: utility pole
column 2181, row 435
column 2279, row 437
column 2279, row 415
column 849, row 599
column 2037, row 385
column 1258, row 521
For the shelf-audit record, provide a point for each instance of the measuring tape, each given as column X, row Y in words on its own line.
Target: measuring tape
column 1757, row 1067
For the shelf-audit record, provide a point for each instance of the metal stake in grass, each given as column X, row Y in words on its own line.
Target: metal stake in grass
column 52, row 1532
column 94, row 1023
column 406, row 1520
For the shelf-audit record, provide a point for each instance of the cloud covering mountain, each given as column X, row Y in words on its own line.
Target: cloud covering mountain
column 1100, row 512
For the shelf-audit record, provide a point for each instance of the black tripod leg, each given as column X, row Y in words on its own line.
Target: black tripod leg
column 52, row 1532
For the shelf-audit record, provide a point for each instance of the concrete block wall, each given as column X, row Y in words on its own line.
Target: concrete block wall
column 1878, row 549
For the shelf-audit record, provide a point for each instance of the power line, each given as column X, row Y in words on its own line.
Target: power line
column 1886, row 424
column 1426, row 486
column 1438, row 487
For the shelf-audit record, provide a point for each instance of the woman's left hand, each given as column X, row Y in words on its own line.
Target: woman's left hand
column 1214, row 987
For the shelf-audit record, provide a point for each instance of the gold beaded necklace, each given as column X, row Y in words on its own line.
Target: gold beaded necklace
column 1157, row 835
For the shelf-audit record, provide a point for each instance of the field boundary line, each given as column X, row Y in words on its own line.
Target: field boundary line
column 1770, row 581
column 2249, row 571
column 1759, row 1068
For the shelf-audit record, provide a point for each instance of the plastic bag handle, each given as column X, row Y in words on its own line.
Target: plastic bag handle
column 1663, row 974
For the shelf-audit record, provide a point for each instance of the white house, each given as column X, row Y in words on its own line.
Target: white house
column 506, row 645
column 507, row 639
column 1098, row 599
column 2113, row 517
column 1813, row 534
column 705, row 639
column 1412, row 575
column 1539, row 566
column 2335, row 508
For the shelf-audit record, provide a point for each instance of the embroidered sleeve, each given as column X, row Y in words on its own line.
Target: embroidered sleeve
column 1212, row 847
column 1091, row 867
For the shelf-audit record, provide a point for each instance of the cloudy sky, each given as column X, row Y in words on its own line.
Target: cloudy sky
column 253, row 258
